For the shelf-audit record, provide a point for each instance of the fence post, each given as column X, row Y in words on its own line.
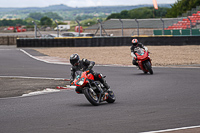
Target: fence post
column 137, row 26
column 35, row 29
column 100, row 27
column 78, row 27
column 122, row 26
column 57, row 28
column 190, row 26
column 163, row 26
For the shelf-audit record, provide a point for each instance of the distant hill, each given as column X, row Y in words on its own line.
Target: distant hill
column 69, row 13
column 38, row 9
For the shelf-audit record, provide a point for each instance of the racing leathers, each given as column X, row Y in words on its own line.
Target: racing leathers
column 85, row 65
column 134, row 61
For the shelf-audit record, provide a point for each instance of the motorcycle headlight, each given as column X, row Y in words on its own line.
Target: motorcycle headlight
column 81, row 81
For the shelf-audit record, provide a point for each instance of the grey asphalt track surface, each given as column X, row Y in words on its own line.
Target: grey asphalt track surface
column 15, row 65
column 165, row 100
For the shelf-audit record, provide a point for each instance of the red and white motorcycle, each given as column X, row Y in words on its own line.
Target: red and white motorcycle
column 94, row 91
column 143, row 60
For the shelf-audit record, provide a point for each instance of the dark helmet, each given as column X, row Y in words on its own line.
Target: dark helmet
column 135, row 42
column 74, row 59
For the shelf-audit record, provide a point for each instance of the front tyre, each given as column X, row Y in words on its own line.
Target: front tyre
column 148, row 67
column 111, row 97
column 91, row 96
column 145, row 72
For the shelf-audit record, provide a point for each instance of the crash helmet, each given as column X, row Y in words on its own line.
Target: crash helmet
column 135, row 42
column 74, row 59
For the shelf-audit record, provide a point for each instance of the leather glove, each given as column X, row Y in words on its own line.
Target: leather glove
column 71, row 81
column 88, row 70
column 135, row 58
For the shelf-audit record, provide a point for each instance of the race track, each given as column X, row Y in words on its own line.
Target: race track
column 165, row 100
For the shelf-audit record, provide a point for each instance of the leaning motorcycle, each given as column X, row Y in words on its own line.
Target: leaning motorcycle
column 94, row 91
column 144, row 61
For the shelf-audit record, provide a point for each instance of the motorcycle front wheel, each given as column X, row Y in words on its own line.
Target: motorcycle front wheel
column 111, row 97
column 91, row 96
column 148, row 67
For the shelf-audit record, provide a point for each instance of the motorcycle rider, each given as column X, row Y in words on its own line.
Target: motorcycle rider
column 136, row 44
column 84, row 65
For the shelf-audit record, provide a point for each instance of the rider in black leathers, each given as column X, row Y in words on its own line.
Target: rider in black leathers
column 84, row 65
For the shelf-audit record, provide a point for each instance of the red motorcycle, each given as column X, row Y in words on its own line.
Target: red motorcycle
column 144, row 61
column 94, row 91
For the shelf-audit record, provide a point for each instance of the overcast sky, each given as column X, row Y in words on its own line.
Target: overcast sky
column 78, row 3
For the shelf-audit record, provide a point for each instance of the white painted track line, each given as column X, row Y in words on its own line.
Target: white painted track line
column 46, row 59
column 175, row 129
column 32, row 77
column 45, row 91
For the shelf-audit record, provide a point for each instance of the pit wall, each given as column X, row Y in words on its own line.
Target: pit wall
column 107, row 41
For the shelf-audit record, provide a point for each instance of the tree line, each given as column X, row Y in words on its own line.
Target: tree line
column 177, row 9
column 140, row 13
column 5, row 22
column 182, row 6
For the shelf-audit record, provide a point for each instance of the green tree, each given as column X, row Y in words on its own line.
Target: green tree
column 124, row 14
column 114, row 15
column 5, row 22
column 140, row 13
column 46, row 21
column 181, row 6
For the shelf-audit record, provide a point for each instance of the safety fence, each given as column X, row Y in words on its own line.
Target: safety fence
column 107, row 41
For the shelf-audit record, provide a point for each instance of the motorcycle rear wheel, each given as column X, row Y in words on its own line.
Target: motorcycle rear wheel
column 148, row 67
column 91, row 96
column 111, row 97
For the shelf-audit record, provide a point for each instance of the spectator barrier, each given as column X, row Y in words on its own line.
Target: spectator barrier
column 107, row 41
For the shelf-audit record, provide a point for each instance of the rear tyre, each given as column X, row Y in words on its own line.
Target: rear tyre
column 111, row 97
column 91, row 96
column 148, row 67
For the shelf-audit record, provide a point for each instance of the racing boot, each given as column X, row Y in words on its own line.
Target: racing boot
column 105, row 97
column 134, row 62
column 138, row 67
column 103, row 81
column 106, row 85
